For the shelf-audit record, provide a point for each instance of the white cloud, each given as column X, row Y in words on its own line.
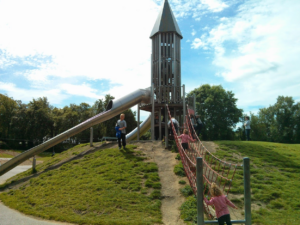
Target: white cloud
column 80, row 90
column 193, row 32
column 196, row 8
column 258, row 50
column 54, row 95
column 197, row 43
column 83, row 39
column 214, row 5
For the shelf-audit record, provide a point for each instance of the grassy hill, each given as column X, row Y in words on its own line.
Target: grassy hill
column 275, row 183
column 106, row 186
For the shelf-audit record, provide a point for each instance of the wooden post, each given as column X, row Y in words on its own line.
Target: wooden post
column 91, row 136
column 183, row 103
column 247, row 190
column 138, row 121
column 166, row 127
column 159, row 123
column 194, row 103
column 33, row 163
column 200, row 210
column 152, row 113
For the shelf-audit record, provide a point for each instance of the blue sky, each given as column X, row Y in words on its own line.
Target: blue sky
column 78, row 51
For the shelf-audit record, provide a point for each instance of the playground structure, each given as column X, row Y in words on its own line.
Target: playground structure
column 165, row 98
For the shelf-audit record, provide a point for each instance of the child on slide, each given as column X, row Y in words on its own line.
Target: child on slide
column 220, row 201
column 185, row 139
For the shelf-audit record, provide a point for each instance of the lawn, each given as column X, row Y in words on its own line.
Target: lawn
column 4, row 155
column 108, row 186
column 275, row 183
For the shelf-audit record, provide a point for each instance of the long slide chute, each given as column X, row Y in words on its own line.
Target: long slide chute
column 114, row 108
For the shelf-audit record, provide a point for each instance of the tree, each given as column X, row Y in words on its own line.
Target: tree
column 217, row 109
column 8, row 108
column 39, row 119
column 279, row 122
column 107, row 128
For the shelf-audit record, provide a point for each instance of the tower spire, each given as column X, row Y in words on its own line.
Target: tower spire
column 165, row 21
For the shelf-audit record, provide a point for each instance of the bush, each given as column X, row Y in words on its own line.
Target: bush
column 179, row 170
column 182, row 182
column 187, row 191
column 155, row 195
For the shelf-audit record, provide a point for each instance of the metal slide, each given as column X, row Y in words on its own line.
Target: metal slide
column 114, row 108
column 144, row 127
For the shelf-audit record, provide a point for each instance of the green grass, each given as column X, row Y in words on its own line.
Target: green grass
column 41, row 157
column 186, row 191
column 275, row 183
column 105, row 187
column 4, row 155
column 275, row 170
column 179, row 170
column 50, row 161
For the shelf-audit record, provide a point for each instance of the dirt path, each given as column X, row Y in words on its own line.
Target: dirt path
column 172, row 198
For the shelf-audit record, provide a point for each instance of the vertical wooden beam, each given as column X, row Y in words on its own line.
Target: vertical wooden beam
column 183, row 103
column 247, row 190
column 179, row 60
column 138, row 121
column 199, row 175
column 166, row 127
column 33, row 164
column 175, row 72
column 152, row 113
column 159, row 123
column 91, row 136
column 159, row 68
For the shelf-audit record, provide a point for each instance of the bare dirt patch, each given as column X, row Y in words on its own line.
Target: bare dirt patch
column 171, row 196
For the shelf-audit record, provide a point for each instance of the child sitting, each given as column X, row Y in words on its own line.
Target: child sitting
column 185, row 139
column 220, row 201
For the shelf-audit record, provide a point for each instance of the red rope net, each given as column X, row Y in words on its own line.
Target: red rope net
column 214, row 170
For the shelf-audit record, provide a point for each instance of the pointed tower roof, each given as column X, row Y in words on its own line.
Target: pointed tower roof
column 165, row 21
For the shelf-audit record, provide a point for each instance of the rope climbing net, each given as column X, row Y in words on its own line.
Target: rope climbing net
column 214, row 169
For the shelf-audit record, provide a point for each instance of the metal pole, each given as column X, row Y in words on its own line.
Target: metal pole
column 247, row 191
column 91, row 136
column 183, row 90
column 138, row 121
column 200, row 211
column 194, row 103
column 166, row 127
column 152, row 113
column 33, row 163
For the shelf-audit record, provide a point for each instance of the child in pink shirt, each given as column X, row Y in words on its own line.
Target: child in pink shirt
column 185, row 139
column 220, row 201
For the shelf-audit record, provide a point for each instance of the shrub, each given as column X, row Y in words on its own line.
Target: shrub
column 178, row 170
column 182, row 182
column 186, row 191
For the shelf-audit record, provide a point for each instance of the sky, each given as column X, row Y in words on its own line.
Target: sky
column 75, row 51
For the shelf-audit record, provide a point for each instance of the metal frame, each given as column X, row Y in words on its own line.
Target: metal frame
column 247, row 194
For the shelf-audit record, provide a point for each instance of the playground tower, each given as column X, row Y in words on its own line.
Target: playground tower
column 165, row 60
column 165, row 72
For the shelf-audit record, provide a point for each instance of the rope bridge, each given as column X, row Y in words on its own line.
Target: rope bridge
column 214, row 170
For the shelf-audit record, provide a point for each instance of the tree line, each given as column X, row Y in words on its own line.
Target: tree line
column 218, row 110
column 26, row 125
column 38, row 120
column 277, row 123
